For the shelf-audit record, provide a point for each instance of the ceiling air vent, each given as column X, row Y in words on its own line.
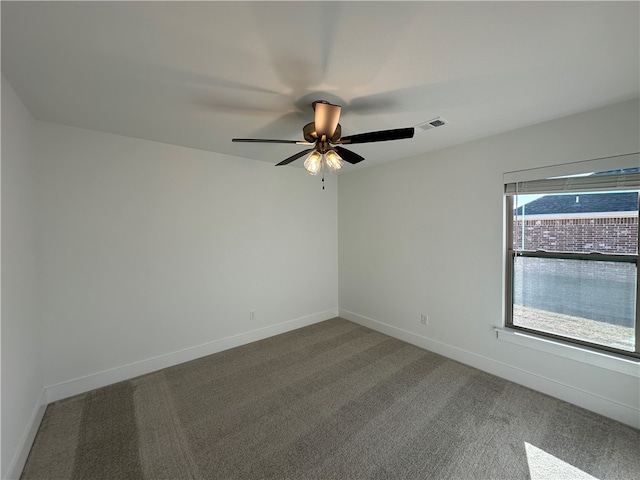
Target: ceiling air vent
column 436, row 122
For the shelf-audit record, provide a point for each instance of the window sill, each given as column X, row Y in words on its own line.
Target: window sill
column 611, row 362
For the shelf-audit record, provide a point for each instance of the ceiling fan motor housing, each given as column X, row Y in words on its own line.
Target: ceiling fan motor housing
column 310, row 135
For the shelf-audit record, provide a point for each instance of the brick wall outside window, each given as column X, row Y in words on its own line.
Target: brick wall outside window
column 602, row 234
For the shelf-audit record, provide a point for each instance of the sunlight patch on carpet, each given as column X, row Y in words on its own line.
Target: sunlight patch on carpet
column 544, row 466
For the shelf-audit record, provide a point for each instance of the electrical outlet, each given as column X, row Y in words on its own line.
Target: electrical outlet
column 252, row 315
column 424, row 319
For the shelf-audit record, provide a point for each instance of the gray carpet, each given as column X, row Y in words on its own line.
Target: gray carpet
column 331, row 401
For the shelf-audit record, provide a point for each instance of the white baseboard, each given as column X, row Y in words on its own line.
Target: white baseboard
column 623, row 413
column 626, row 414
column 20, row 458
column 126, row 372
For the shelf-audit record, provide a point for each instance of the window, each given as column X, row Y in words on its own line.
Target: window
column 572, row 257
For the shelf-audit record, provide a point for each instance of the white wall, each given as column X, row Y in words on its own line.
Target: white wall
column 149, row 249
column 122, row 256
column 22, row 370
column 425, row 235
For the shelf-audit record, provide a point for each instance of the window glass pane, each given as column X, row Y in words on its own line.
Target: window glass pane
column 587, row 300
column 578, row 222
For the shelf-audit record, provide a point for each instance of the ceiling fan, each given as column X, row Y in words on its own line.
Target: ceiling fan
column 324, row 135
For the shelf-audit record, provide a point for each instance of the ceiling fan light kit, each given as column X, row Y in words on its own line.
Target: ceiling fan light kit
column 324, row 134
column 313, row 163
column 333, row 160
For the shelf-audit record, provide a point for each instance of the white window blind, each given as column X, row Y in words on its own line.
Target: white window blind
column 605, row 164
column 591, row 183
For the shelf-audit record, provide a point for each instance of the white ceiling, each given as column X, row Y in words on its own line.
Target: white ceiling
column 200, row 73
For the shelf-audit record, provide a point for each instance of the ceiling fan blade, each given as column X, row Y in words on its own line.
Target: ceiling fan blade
column 381, row 136
column 348, row 155
column 287, row 161
column 268, row 140
column 326, row 119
